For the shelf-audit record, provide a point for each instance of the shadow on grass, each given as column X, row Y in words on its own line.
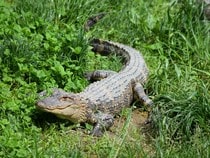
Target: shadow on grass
column 44, row 120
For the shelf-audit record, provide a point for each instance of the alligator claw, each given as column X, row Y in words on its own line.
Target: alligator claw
column 104, row 121
column 97, row 131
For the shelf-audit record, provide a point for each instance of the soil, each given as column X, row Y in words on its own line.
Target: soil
column 138, row 128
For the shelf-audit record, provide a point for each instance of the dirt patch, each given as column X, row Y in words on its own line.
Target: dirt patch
column 137, row 120
column 137, row 130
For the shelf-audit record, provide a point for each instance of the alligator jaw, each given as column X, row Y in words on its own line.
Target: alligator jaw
column 74, row 113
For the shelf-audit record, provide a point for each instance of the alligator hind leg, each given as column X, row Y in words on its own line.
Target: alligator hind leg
column 141, row 94
column 98, row 74
column 145, row 99
column 103, row 122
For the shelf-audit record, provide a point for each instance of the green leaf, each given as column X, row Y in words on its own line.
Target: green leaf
column 17, row 28
column 40, row 73
column 7, row 78
column 76, row 50
column 4, row 121
column 59, row 68
column 10, row 105
column 46, row 45
column 48, row 35
column 7, row 52
column 23, row 67
column 88, row 126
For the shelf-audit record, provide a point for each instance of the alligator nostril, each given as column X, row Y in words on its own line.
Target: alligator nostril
column 40, row 104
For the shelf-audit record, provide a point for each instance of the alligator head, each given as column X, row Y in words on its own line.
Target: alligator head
column 64, row 105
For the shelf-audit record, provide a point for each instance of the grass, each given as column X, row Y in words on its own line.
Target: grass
column 43, row 45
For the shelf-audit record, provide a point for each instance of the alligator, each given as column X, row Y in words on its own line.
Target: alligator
column 102, row 100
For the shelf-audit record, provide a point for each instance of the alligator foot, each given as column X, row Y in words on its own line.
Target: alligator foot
column 98, row 130
column 142, row 96
column 104, row 122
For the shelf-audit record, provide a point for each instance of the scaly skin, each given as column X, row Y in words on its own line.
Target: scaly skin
column 104, row 99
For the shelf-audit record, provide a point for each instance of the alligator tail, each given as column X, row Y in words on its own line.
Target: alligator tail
column 93, row 20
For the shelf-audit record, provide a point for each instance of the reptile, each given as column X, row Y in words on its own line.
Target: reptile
column 102, row 100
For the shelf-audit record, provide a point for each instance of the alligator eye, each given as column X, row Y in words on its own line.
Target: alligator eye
column 66, row 99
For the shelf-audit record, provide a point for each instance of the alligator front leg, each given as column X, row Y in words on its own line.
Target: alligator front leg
column 98, row 74
column 103, row 122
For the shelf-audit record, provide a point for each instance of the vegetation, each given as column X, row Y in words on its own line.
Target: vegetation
column 43, row 45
